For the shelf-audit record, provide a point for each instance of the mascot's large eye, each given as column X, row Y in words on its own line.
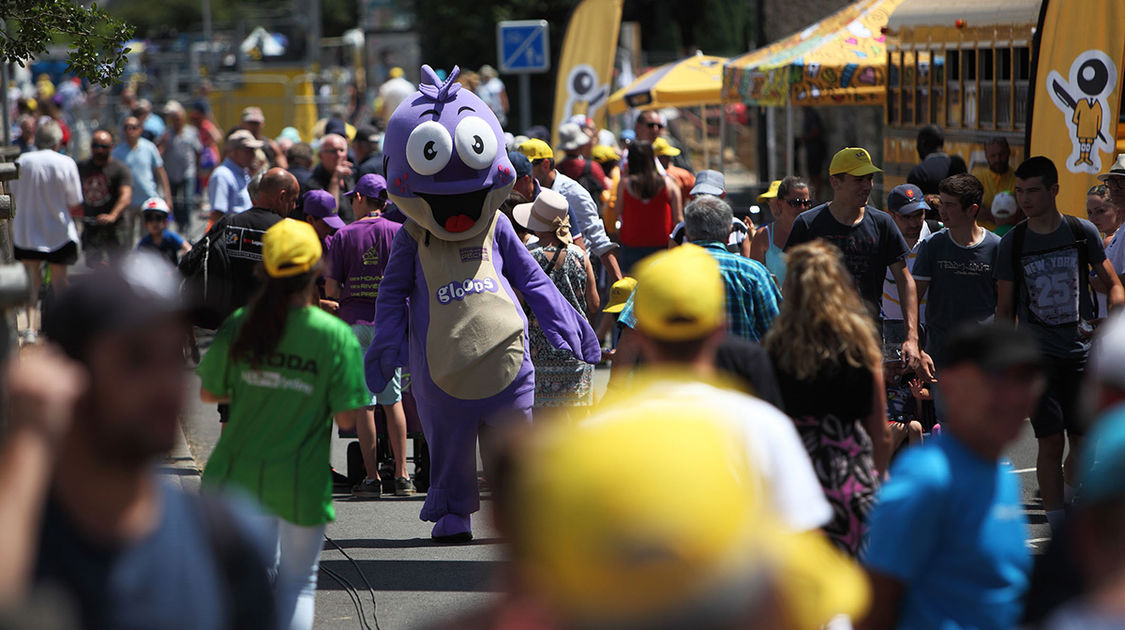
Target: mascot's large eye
column 476, row 143
column 428, row 148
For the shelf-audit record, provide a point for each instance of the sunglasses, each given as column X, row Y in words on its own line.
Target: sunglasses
column 101, row 146
column 132, row 126
column 654, row 125
column 799, row 203
column 153, row 217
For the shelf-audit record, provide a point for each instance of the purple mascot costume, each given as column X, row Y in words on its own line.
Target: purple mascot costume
column 459, row 262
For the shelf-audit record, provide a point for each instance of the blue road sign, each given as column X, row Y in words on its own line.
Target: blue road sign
column 523, row 46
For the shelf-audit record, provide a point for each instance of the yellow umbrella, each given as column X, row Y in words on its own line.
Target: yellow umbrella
column 691, row 82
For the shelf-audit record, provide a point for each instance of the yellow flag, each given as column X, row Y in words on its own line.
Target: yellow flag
column 1076, row 93
column 585, row 67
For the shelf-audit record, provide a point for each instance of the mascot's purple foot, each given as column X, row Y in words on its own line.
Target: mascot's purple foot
column 453, row 528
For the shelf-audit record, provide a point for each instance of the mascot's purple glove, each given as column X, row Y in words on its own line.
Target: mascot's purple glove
column 563, row 326
column 390, row 349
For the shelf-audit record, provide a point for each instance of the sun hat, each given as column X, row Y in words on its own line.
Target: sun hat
column 571, row 137
column 853, row 161
column 680, row 294
column 370, row 185
column 662, row 148
column 771, row 192
column 603, row 153
column 1117, row 170
column 539, row 215
column 253, row 114
column 650, row 547
column 290, row 248
column 619, row 294
column 536, row 149
column 322, row 205
column 155, row 204
column 1004, row 205
column 708, row 182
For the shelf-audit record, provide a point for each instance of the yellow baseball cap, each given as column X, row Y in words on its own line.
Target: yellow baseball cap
column 651, row 545
column 661, row 147
column 853, row 161
column 619, row 294
column 680, row 294
column 536, row 149
column 771, row 192
column 604, row 153
column 290, row 248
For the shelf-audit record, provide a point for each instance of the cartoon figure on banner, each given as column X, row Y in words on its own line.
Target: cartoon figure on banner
column 459, row 263
column 1083, row 101
column 582, row 89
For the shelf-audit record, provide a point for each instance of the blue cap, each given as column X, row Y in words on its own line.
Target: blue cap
column 906, row 199
column 1103, row 460
column 520, row 163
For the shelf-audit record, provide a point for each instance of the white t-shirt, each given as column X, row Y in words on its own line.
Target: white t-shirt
column 393, row 92
column 891, row 307
column 772, row 442
column 48, row 186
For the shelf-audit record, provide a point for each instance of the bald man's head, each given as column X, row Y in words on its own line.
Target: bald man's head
column 278, row 191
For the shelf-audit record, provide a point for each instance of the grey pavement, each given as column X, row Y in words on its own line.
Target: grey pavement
column 416, row 582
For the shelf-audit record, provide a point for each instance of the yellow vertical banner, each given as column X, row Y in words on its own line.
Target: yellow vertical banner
column 1077, row 92
column 585, row 68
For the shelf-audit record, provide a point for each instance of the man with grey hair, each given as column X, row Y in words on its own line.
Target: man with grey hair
column 46, row 195
column 753, row 299
column 335, row 174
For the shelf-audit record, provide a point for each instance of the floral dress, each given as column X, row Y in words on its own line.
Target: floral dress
column 561, row 379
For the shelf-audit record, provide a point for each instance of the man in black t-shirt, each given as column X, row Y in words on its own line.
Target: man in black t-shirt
column 107, row 188
column 335, row 174
column 869, row 240
column 242, row 233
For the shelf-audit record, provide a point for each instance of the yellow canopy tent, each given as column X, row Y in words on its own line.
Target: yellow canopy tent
column 840, row 60
column 690, row 82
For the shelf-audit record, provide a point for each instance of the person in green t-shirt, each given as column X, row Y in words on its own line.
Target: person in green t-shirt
column 286, row 367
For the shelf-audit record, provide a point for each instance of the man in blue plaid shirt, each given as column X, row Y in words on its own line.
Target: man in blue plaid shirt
column 752, row 297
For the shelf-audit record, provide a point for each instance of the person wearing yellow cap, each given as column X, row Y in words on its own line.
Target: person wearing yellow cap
column 653, row 550
column 585, row 221
column 392, row 92
column 679, row 308
column 870, row 241
column 286, row 367
column 610, row 161
column 789, row 198
column 664, row 153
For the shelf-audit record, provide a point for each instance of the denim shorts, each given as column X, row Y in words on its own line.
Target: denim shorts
column 365, row 333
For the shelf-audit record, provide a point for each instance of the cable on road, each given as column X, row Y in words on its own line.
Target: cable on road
column 351, row 590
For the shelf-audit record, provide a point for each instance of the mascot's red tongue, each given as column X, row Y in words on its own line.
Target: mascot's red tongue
column 458, row 223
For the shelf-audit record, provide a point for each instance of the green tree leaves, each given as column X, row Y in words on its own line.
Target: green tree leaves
column 93, row 38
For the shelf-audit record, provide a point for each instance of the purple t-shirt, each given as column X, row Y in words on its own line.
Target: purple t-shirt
column 357, row 256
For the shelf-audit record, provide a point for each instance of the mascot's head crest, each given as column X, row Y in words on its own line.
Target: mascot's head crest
column 437, row 90
column 447, row 168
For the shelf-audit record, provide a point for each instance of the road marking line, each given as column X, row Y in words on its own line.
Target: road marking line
column 1020, row 471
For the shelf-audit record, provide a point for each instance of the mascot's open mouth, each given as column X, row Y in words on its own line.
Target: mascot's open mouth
column 456, row 213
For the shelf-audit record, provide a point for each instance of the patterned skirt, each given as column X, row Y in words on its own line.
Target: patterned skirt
column 841, row 455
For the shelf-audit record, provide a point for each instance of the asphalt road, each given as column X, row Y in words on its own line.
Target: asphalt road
column 416, row 582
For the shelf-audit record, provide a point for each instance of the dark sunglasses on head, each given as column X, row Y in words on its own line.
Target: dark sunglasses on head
column 799, row 203
column 101, row 146
column 152, row 217
column 654, row 125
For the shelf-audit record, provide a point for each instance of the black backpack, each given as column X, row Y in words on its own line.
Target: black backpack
column 207, row 284
column 591, row 183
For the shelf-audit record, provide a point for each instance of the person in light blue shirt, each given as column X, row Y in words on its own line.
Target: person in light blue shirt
column 144, row 162
column 226, row 190
column 947, row 538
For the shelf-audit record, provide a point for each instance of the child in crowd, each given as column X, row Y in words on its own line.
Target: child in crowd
column 905, row 394
column 160, row 239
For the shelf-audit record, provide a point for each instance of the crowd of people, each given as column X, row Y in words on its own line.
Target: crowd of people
column 842, row 383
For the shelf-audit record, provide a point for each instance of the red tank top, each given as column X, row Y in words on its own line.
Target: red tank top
column 646, row 223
